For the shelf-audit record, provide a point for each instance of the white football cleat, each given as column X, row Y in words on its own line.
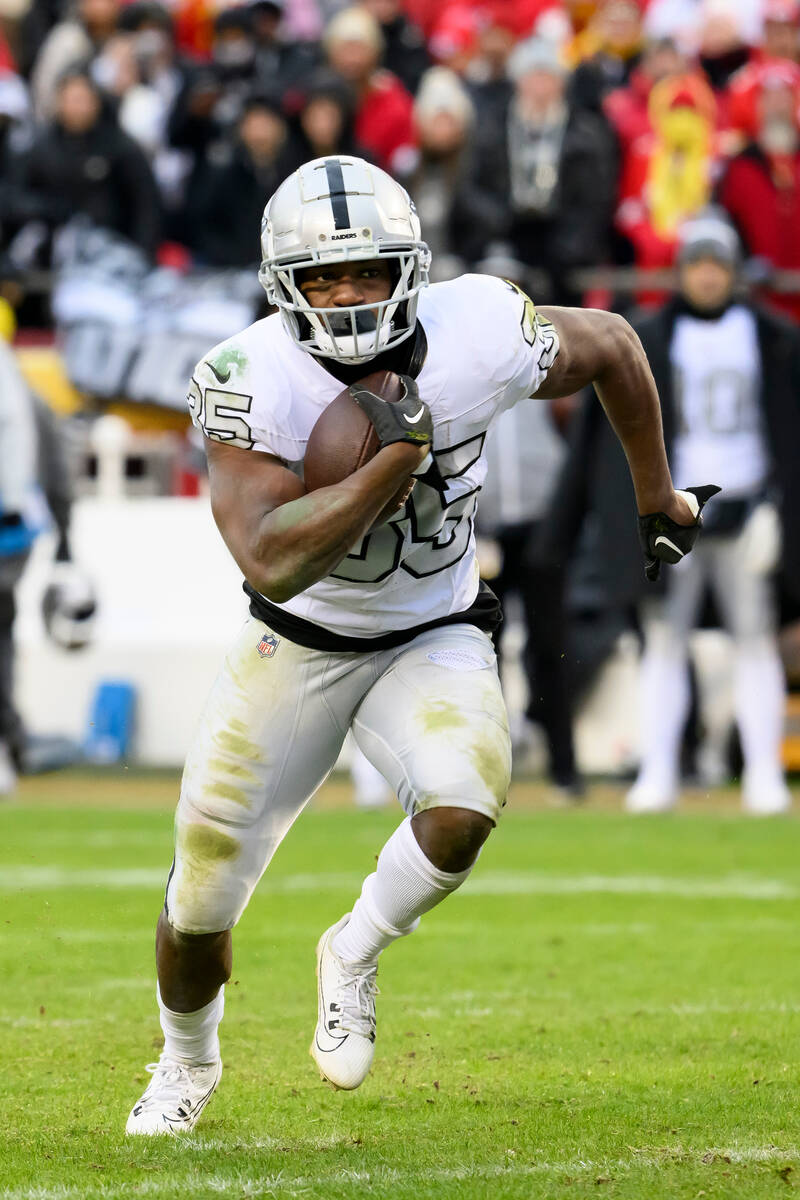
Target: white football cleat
column 344, row 1040
column 643, row 798
column 766, row 797
column 175, row 1097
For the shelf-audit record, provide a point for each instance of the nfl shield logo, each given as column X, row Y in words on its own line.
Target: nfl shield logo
column 268, row 644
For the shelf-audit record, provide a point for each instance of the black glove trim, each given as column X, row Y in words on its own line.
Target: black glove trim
column 664, row 540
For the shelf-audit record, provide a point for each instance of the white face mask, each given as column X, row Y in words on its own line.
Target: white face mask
column 336, row 339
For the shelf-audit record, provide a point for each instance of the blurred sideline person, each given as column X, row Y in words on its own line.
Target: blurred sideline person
column 18, row 529
column 728, row 377
column 33, row 474
column 359, row 620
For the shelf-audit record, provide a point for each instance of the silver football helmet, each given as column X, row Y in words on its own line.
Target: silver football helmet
column 335, row 210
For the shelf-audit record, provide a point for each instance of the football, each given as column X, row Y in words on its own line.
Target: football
column 344, row 439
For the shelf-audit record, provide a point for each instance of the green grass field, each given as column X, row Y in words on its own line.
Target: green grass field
column 610, row 1007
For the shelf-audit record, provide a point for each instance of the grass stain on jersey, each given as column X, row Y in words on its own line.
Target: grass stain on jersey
column 229, row 791
column 233, row 741
column 236, row 792
column 201, row 849
column 231, row 361
column 201, row 845
column 492, row 762
column 440, row 716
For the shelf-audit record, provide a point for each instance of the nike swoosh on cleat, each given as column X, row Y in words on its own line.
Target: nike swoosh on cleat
column 413, row 420
column 335, row 1046
column 337, row 1042
column 192, row 1111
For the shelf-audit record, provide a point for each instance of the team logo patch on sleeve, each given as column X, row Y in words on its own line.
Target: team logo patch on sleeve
column 268, row 644
column 530, row 318
column 536, row 327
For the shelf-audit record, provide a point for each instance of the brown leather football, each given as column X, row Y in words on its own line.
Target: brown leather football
column 344, row 439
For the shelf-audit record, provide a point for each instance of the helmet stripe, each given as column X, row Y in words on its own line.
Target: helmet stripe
column 341, row 214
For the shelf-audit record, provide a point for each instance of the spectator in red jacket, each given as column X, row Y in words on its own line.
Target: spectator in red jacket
column 667, row 174
column 384, row 123
column 761, row 188
column 746, row 87
column 627, row 108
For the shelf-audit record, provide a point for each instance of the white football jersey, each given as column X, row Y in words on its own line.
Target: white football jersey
column 487, row 349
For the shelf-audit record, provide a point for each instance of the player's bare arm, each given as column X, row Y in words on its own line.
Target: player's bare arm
column 284, row 538
column 601, row 348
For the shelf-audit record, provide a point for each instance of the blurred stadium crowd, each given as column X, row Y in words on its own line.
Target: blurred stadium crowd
column 578, row 132
column 562, row 143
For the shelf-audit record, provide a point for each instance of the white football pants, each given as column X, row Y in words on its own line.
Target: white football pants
column 745, row 602
column 429, row 715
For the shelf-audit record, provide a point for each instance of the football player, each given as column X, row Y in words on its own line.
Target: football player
column 381, row 630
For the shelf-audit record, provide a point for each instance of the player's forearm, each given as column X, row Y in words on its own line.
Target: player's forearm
column 628, row 394
column 302, row 541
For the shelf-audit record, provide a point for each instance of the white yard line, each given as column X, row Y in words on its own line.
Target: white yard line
column 280, row 1182
column 739, row 887
column 29, row 879
column 488, row 883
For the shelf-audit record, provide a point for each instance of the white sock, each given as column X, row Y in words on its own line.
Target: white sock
column 760, row 696
column 664, row 698
column 192, row 1037
column 405, row 885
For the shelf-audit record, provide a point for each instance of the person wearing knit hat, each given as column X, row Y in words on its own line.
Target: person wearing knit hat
column 726, row 411
column 542, row 172
column 354, row 46
column 354, row 27
column 443, row 117
column 709, row 235
column 535, row 54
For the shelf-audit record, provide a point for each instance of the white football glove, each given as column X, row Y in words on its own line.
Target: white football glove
column 69, row 607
